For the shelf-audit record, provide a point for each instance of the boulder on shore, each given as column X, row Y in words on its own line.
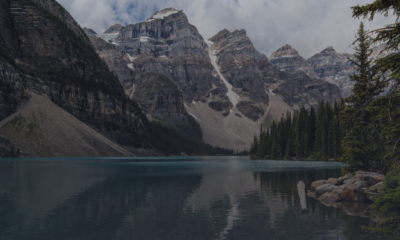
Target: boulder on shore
column 318, row 183
column 352, row 193
column 329, row 198
column 365, row 176
column 376, row 188
column 345, row 177
column 358, row 188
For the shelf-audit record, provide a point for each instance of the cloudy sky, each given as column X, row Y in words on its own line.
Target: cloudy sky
column 307, row 25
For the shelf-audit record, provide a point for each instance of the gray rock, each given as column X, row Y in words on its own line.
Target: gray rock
column 345, row 177
column 329, row 198
column 317, row 183
column 349, row 181
column 323, row 188
column 311, row 194
column 361, row 184
column 376, row 179
column 376, row 188
column 365, row 176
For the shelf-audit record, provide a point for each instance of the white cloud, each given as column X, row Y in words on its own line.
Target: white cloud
column 308, row 25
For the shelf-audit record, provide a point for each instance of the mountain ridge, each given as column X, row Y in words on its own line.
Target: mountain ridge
column 225, row 82
column 327, row 65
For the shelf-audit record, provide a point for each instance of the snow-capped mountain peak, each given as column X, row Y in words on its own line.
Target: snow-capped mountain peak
column 162, row 14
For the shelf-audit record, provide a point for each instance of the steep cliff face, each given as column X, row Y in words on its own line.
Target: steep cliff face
column 158, row 95
column 165, row 44
column 44, row 50
column 327, row 65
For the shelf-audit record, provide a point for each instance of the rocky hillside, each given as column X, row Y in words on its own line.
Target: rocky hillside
column 327, row 65
column 43, row 50
column 227, row 85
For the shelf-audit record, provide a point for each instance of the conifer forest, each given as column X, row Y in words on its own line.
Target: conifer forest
column 303, row 134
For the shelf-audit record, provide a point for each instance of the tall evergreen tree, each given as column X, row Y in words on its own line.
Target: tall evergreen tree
column 386, row 107
column 311, row 129
column 359, row 144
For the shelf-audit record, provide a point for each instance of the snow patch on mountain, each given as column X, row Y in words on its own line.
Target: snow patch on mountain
column 233, row 97
column 108, row 37
column 144, row 39
column 130, row 65
column 130, row 57
column 162, row 14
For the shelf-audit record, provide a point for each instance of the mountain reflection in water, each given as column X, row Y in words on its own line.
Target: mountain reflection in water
column 167, row 198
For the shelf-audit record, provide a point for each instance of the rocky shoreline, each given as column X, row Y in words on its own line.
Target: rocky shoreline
column 359, row 188
column 353, row 193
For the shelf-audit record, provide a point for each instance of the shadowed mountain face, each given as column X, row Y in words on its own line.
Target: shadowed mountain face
column 226, row 84
column 158, row 95
column 43, row 49
column 327, row 65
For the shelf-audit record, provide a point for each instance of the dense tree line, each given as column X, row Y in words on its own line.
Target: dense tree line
column 301, row 134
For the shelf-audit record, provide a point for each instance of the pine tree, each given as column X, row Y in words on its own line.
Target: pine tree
column 384, row 111
column 311, row 129
column 358, row 143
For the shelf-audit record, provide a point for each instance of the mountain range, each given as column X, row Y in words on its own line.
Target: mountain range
column 327, row 65
column 68, row 91
column 224, row 82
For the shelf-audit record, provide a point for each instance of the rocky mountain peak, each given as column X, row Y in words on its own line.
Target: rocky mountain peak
column 328, row 50
column 89, row 31
column 285, row 51
column 163, row 13
column 286, row 47
column 226, row 38
column 114, row 28
column 220, row 35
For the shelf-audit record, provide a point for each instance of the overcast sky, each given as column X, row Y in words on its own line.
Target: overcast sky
column 309, row 26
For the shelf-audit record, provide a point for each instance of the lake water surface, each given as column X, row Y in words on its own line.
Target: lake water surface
column 193, row 198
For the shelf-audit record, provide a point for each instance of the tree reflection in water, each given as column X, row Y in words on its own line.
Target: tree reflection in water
column 181, row 201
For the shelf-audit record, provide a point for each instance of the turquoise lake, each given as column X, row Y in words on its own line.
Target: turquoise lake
column 181, row 198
